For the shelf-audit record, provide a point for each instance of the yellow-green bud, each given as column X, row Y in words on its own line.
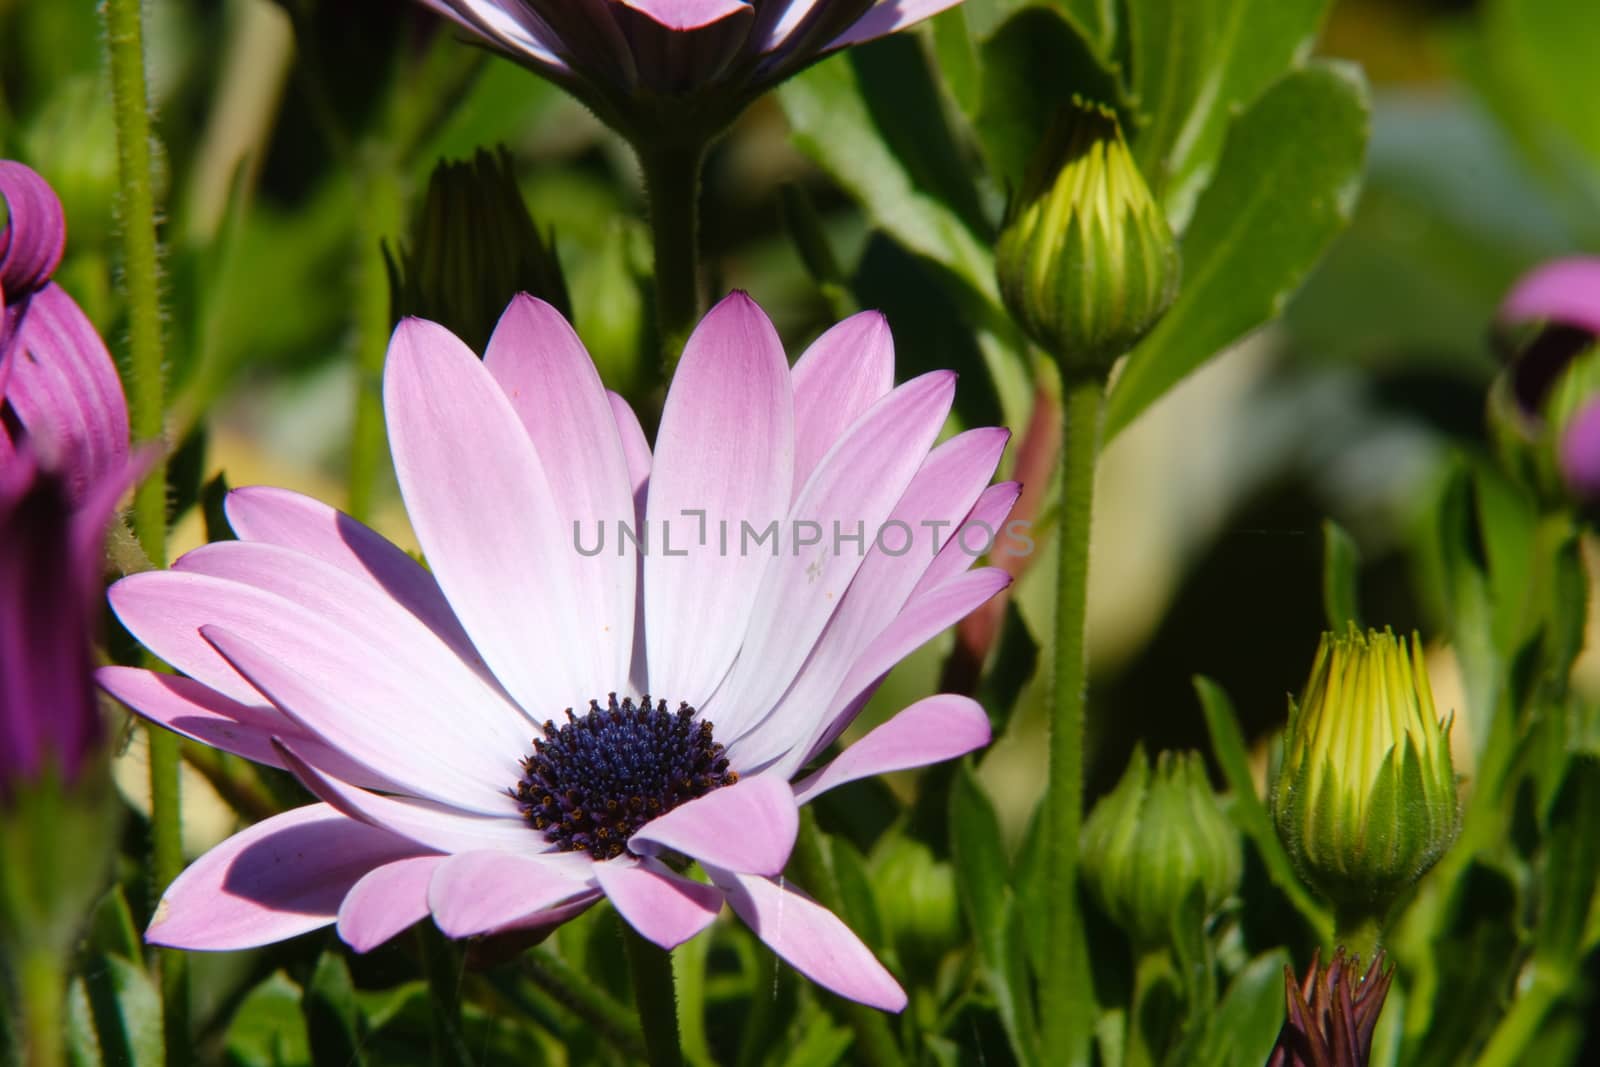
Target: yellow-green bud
column 917, row 900
column 1086, row 261
column 1365, row 797
column 1154, row 840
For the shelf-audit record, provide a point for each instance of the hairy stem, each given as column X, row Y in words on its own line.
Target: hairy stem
column 146, row 390
column 656, row 999
column 1064, row 992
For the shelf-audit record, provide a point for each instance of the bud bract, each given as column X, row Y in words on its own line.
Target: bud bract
column 473, row 247
column 1365, row 797
column 1087, row 263
column 1155, row 839
column 917, row 899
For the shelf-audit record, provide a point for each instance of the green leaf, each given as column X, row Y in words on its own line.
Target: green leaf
column 1248, row 810
column 1035, row 63
column 981, row 876
column 1286, row 184
column 1248, row 45
column 114, row 1015
column 1477, row 955
column 1571, row 865
column 822, row 1044
column 333, row 1020
column 836, row 128
column 1246, row 1023
column 1170, row 45
column 1543, row 53
column 1341, row 565
column 268, row 1030
column 111, row 927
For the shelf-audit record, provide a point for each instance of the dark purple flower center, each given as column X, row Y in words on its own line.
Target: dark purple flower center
column 594, row 780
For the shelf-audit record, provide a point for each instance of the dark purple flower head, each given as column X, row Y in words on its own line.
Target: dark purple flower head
column 1332, row 1013
column 47, row 591
column 628, row 58
column 64, row 461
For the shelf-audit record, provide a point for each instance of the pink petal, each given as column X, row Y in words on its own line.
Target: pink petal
column 511, row 26
column 552, row 384
column 986, row 521
column 662, row 906
column 924, row 618
column 368, row 718
column 432, row 826
column 930, row 731
column 635, row 449
column 65, row 391
column 485, row 515
column 812, row 939
column 35, row 232
column 726, row 449
column 275, row 880
column 687, row 14
column 1564, row 290
column 749, row 826
column 844, row 372
column 854, row 490
column 943, row 491
column 375, row 670
column 476, row 892
column 385, row 901
column 286, row 518
column 1580, row 450
column 361, row 606
column 198, row 712
column 888, row 16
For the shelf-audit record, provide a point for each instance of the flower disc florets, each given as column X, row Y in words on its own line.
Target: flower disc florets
column 599, row 777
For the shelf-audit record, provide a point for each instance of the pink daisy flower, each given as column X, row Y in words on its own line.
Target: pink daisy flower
column 479, row 735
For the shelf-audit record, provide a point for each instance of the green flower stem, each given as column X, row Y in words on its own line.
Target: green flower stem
column 656, row 999
column 442, row 967
column 875, row 1045
column 672, row 185
column 43, row 988
column 379, row 193
column 1508, row 1044
column 146, row 389
column 573, row 991
column 1153, row 965
column 1360, row 933
column 1064, row 993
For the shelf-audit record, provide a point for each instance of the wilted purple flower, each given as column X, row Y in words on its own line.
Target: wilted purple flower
column 478, row 734
column 1332, row 1014
column 63, row 464
column 630, row 59
column 1564, row 296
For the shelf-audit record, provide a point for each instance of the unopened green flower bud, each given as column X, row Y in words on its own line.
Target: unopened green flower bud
column 1154, row 840
column 473, row 247
column 917, row 899
column 1365, row 797
column 1087, row 263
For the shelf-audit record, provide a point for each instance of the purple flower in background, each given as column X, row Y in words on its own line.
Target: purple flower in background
column 1564, row 296
column 625, row 57
column 63, row 463
column 478, row 733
